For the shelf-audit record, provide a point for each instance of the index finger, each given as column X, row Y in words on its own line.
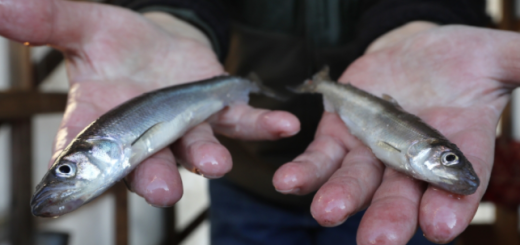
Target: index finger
column 241, row 121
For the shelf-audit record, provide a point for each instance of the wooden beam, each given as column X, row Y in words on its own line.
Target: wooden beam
column 509, row 20
column 21, row 219
column 121, row 213
column 19, row 104
column 506, row 226
column 47, row 65
column 20, row 66
column 179, row 237
column 168, row 225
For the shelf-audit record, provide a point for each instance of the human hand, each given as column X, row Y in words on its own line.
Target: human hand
column 113, row 55
column 458, row 79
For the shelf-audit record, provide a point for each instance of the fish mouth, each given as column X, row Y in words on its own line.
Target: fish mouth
column 45, row 203
column 467, row 184
column 40, row 203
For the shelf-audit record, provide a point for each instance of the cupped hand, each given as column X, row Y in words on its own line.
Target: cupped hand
column 113, row 55
column 458, row 79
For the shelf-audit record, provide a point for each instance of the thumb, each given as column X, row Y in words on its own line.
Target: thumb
column 63, row 24
column 507, row 56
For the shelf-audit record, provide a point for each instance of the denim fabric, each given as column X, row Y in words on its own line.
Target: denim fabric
column 239, row 218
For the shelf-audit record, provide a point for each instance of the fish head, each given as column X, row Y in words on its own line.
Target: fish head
column 442, row 164
column 83, row 170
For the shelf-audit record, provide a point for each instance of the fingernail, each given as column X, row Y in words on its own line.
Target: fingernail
column 212, row 168
column 157, row 188
column 330, row 210
column 337, row 206
column 290, row 191
column 208, row 160
column 443, row 225
column 284, row 126
column 287, row 134
column 334, row 204
column 157, row 184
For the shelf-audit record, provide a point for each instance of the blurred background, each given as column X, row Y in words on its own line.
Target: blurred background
column 33, row 86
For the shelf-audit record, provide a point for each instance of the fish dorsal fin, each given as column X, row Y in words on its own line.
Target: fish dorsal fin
column 322, row 75
column 388, row 146
column 391, row 100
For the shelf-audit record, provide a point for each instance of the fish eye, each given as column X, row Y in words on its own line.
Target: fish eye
column 65, row 170
column 449, row 159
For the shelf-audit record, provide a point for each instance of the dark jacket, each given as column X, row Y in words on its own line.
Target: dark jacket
column 285, row 42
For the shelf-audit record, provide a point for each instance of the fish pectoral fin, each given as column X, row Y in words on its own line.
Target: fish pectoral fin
column 149, row 142
column 328, row 106
column 390, row 99
column 146, row 135
column 323, row 74
column 388, row 146
column 164, row 133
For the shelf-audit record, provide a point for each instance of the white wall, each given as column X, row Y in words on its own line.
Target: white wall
column 4, row 139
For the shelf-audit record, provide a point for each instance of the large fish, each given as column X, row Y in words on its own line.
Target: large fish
column 399, row 139
column 110, row 147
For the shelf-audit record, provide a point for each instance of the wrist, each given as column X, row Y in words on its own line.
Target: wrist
column 177, row 27
column 398, row 34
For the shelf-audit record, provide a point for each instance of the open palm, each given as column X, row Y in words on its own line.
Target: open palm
column 457, row 79
column 113, row 55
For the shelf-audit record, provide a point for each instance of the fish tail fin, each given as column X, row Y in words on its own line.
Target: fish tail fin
column 309, row 86
column 322, row 75
column 262, row 89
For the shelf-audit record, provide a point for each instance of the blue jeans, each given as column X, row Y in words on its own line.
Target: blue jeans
column 239, row 218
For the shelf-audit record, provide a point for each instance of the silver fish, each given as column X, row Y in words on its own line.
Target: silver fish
column 113, row 145
column 399, row 139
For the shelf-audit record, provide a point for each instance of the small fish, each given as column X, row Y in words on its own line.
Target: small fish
column 399, row 139
column 113, row 145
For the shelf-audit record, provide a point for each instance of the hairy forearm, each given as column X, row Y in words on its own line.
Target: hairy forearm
column 399, row 34
column 178, row 27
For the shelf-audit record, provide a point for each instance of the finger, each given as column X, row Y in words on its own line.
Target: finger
column 200, row 152
column 307, row 172
column 350, row 189
column 392, row 216
column 45, row 21
column 66, row 25
column 157, row 179
column 443, row 215
column 241, row 121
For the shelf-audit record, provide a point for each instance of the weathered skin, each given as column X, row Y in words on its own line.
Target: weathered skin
column 109, row 148
column 399, row 139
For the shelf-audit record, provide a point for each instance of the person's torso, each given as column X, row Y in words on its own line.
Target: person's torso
column 285, row 42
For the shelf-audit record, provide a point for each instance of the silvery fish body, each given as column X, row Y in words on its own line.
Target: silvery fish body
column 113, row 145
column 399, row 139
